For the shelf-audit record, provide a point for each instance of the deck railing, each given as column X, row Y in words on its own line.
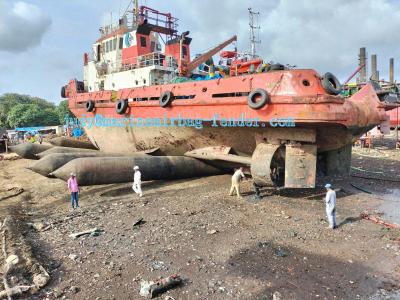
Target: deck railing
column 152, row 59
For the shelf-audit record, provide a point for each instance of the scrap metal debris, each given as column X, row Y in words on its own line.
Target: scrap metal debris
column 153, row 289
column 279, row 252
column 212, row 231
column 39, row 226
column 138, row 222
column 367, row 216
column 39, row 279
column 92, row 232
column 164, row 285
column 145, row 288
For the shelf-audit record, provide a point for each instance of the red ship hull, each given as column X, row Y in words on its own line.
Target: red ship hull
column 296, row 95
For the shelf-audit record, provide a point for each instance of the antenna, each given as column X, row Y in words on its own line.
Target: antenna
column 254, row 27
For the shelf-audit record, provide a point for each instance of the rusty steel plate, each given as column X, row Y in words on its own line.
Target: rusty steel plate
column 261, row 164
column 300, row 166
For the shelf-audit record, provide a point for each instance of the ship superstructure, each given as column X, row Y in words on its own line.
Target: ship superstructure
column 130, row 54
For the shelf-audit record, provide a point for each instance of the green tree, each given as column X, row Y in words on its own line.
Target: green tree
column 63, row 111
column 32, row 115
column 34, row 111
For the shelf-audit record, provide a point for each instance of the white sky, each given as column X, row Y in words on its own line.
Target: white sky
column 42, row 41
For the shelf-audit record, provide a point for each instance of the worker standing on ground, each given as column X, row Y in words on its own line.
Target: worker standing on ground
column 74, row 190
column 40, row 138
column 330, row 201
column 237, row 176
column 137, row 181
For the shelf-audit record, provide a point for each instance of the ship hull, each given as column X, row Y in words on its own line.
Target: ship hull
column 334, row 120
column 177, row 141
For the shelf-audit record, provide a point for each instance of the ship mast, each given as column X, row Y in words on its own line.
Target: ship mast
column 254, row 28
column 132, row 10
column 136, row 12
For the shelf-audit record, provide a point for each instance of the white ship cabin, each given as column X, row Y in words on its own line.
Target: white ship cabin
column 133, row 56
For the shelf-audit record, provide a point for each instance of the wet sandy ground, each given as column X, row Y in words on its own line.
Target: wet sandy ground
column 223, row 247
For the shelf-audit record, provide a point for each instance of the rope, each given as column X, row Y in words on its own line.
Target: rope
column 375, row 178
column 361, row 189
column 362, row 170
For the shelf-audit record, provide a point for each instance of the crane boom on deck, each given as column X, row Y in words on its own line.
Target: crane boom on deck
column 184, row 70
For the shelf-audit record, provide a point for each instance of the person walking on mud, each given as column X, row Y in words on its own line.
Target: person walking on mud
column 237, row 176
column 74, row 190
column 40, row 138
column 137, row 181
column 330, row 200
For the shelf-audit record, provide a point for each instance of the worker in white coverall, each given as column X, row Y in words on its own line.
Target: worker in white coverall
column 237, row 176
column 330, row 201
column 137, row 181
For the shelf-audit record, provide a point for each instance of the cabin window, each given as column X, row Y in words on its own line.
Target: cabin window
column 152, row 46
column 121, row 43
column 184, row 51
column 142, row 41
column 107, row 47
column 115, row 44
column 159, row 47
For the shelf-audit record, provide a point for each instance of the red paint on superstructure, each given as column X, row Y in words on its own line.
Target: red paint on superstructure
column 174, row 51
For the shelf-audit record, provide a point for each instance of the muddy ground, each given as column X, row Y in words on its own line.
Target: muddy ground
column 223, row 247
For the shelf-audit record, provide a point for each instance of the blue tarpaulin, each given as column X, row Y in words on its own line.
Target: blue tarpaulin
column 30, row 129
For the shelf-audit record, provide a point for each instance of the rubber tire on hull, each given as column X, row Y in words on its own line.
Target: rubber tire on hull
column 251, row 99
column 166, row 98
column 275, row 67
column 121, row 106
column 63, row 92
column 331, row 84
column 89, row 106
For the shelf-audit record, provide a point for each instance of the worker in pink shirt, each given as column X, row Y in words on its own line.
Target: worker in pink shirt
column 74, row 190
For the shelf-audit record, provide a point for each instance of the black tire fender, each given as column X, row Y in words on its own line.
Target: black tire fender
column 63, row 92
column 331, row 84
column 254, row 102
column 166, row 98
column 121, row 106
column 89, row 105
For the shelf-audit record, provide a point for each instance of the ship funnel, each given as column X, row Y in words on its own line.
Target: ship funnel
column 374, row 68
column 362, row 62
column 391, row 70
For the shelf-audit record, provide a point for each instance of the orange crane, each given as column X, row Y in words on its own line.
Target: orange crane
column 185, row 69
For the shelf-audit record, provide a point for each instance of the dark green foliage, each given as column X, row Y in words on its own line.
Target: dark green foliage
column 26, row 111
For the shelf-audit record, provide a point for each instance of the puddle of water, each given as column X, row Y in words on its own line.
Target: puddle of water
column 391, row 206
